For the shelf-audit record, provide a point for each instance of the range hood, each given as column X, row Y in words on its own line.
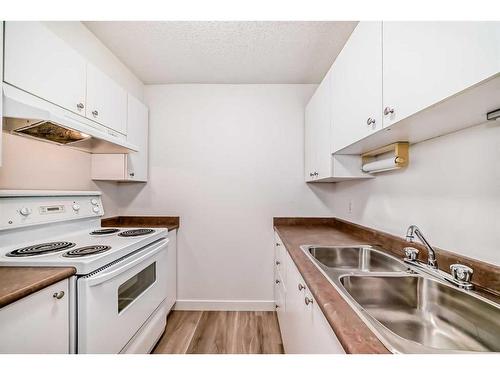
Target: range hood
column 27, row 115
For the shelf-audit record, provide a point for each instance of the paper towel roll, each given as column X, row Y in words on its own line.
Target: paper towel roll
column 380, row 165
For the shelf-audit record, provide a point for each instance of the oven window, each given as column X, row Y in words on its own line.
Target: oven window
column 133, row 287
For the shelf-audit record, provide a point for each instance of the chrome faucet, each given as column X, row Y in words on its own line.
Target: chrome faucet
column 413, row 231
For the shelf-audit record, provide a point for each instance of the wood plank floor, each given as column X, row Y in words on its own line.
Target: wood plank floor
column 221, row 332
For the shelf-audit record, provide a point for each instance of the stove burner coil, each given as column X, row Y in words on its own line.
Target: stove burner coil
column 104, row 231
column 135, row 232
column 41, row 249
column 86, row 250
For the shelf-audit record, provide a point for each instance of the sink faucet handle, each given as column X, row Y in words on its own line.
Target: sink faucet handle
column 411, row 253
column 461, row 273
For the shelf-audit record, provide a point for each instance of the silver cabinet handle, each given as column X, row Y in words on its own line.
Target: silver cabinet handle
column 277, row 306
column 277, row 281
column 316, row 173
column 308, row 300
column 58, row 295
column 278, row 244
column 131, row 174
column 388, row 110
column 301, row 286
column 370, row 121
column 278, row 262
column 80, row 106
column 95, row 113
column 311, row 174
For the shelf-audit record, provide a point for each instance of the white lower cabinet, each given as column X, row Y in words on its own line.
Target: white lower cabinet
column 304, row 328
column 38, row 323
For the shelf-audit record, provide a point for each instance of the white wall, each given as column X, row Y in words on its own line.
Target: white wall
column 227, row 159
column 30, row 164
column 451, row 190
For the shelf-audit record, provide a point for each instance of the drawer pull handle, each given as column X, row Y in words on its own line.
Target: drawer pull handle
column 58, row 295
column 278, row 262
column 301, row 286
column 308, row 300
column 277, row 281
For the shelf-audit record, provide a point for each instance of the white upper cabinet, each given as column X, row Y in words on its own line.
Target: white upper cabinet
column 106, row 100
column 427, row 62
column 317, row 133
column 356, row 100
column 39, row 62
column 137, row 128
column 132, row 166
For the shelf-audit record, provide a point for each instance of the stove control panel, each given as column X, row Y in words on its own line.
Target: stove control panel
column 24, row 210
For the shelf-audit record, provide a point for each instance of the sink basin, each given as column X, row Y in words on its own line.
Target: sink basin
column 362, row 258
column 416, row 310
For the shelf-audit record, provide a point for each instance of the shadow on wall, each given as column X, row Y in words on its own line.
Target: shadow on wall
column 324, row 192
column 127, row 192
column 354, row 201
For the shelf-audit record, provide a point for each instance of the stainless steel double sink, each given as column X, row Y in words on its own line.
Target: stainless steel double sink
column 410, row 312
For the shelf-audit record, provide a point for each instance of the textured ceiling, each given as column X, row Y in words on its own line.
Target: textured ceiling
column 225, row 52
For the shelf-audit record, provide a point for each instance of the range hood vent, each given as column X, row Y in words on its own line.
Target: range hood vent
column 29, row 116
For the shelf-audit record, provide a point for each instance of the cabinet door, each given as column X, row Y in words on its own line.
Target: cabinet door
column 320, row 338
column 296, row 325
column 39, row 62
column 106, row 100
column 310, row 119
column 38, row 323
column 427, row 62
column 137, row 134
column 357, row 86
column 318, row 133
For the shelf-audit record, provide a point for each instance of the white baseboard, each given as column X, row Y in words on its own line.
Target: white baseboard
column 224, row 305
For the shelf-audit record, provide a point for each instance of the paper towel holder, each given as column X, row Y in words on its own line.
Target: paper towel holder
column 400, row 152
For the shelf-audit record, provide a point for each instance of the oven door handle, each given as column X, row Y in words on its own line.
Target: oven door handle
column 124, row 266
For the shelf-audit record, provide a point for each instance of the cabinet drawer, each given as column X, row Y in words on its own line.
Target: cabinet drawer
column 38, row 323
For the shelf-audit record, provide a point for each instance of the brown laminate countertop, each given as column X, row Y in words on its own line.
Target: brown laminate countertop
column 352, row 332
column 19, row 282
column 169, row 222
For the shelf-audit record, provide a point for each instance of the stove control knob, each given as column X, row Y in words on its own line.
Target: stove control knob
column 95, row 209
column 25, row 211
column 94, row 201
column 76, row 207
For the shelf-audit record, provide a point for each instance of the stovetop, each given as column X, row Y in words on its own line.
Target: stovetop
column 80, row 249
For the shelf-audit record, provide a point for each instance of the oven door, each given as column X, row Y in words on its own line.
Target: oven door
column 114, row 302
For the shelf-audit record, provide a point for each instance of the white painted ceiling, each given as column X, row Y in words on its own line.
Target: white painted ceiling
column 225, row 52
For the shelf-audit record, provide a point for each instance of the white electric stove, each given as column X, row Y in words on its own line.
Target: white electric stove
column 120, row 286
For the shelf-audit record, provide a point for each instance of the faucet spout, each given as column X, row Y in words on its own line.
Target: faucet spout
column 413, row 231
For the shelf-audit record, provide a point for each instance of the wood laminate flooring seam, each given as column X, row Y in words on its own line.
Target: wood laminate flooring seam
column 221, row 332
